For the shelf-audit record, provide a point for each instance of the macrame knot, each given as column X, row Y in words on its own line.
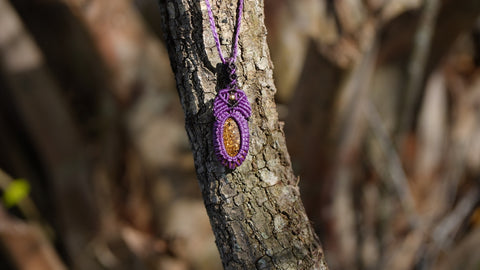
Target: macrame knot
column 232, row 75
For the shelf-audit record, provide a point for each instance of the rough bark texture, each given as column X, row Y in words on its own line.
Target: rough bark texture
column 255, row 210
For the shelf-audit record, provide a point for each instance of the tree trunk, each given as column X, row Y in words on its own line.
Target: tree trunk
column 255, row 210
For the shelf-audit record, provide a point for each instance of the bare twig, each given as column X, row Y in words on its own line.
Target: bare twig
column 446, row 231
column 393, row 162
column 350, row 127
column 418, row 61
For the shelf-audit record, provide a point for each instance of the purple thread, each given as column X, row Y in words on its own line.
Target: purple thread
column 230, row 102
column 214, row 31
column 215, row 34
column 237, row 31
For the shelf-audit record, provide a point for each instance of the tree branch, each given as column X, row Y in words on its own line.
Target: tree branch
column 255, row 211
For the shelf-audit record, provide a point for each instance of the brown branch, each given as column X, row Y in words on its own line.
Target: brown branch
column 255, row 210
column 418, row 61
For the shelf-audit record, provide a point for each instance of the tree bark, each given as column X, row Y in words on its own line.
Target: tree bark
column 255, row 210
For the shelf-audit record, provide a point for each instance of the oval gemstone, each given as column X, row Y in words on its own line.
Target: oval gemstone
column 231, row 137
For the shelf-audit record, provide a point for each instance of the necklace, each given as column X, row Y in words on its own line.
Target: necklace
column 230, row 107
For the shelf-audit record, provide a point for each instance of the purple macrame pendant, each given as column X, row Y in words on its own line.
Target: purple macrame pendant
column 231, row 135
column 231, row 107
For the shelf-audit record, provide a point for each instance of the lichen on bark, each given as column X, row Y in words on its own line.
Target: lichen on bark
column 255, row 210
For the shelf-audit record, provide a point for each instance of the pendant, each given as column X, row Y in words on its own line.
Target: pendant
column 230, row 130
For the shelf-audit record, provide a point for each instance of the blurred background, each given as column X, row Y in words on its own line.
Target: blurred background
column 381, row 107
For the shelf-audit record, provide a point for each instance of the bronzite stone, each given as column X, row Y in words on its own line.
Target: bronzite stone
column 231, row 137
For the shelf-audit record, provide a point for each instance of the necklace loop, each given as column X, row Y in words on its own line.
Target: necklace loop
column 233, row 57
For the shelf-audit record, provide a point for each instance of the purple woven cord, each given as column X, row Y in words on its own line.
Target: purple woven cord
column 236, row 34
column 214, row 30
column 237, row 31
column 230, row 102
